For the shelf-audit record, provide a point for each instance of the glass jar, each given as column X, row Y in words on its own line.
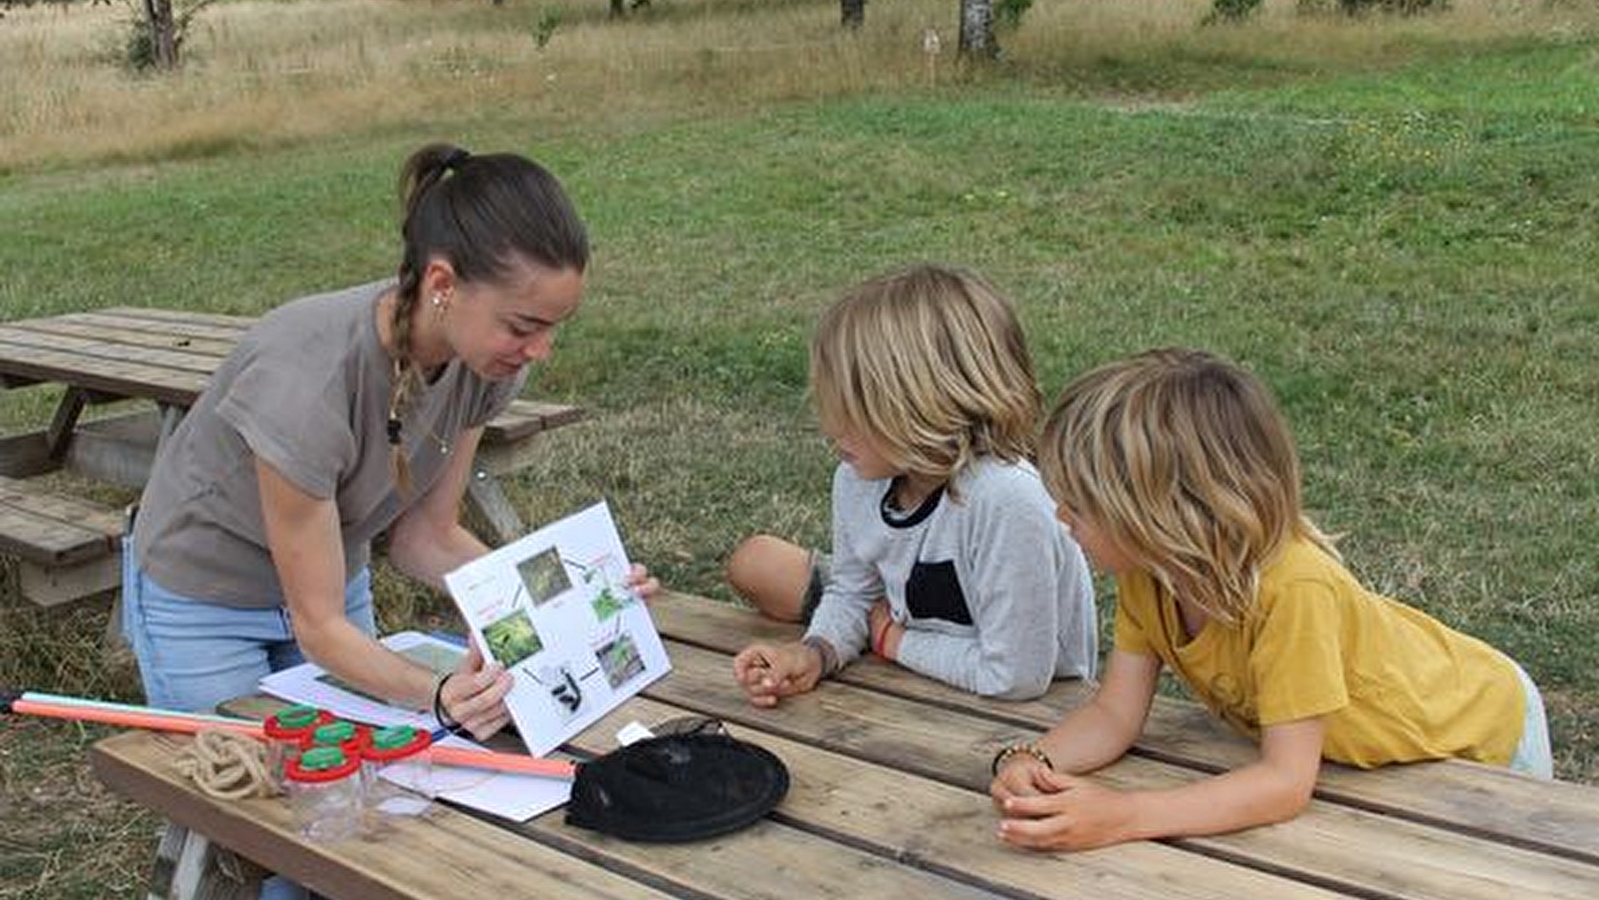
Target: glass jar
column 398, row 771
column 325, row 793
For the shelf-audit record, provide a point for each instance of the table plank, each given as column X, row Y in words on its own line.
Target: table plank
column 946, row 830
column 1360, row 852
column 167, row 317
column 53, row 529
column 97, row 329
column 108, row 376
column 91, row 350
column 444, row 853
column 1486, row 801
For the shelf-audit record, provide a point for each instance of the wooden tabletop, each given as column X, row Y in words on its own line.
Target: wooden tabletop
column 156, row 354
column 888, row 798
column 168, row 355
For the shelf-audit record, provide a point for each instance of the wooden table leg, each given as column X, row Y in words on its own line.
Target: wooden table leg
column 487, row 504
column 189, row 867
column 65, row 421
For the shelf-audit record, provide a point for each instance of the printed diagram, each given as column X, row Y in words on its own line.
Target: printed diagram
column 620, row 659
column 512, row 639
column 564, row 690
column 554, row 608
column 610, row 599
column 544, row 576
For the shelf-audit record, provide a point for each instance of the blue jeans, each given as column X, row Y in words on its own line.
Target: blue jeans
column 194, row 654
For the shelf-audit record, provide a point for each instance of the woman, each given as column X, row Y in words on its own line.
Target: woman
column 341, row 416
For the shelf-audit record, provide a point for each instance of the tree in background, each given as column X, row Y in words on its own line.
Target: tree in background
column 852, row 13
column 157, row 40
column 977, row 30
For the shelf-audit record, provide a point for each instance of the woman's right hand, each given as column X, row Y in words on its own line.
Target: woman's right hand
column 768, row 672
column 474, row 695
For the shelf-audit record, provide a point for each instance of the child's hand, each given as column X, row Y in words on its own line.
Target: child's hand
column 640, row 582
column 768, row 672
column 1020, row 776
column 1068, row 813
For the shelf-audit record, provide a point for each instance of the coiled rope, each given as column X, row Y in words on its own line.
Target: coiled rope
column 226, row 765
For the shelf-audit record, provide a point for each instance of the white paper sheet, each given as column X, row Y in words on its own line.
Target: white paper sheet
column 515, row 797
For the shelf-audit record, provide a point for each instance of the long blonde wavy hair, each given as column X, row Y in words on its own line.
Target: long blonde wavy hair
column 930, row 364
column 1182, row 460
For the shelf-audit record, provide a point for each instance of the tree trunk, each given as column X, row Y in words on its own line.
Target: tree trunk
column 618, row 9
column 852, row 13
column 163, row 35
column 977, row 30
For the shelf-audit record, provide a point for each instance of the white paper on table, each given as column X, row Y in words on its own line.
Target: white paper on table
column 510, row 796
column 308, row 683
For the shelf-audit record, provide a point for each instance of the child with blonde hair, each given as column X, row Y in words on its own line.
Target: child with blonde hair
column 1176, row 472
column 946, row 557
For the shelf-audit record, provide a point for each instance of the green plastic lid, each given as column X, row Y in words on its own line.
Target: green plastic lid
column 322, row 758
column 393, row 737
column 333, row 733
column 296, row 716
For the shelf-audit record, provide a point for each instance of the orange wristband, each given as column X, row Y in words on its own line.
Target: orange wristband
column 880, row 637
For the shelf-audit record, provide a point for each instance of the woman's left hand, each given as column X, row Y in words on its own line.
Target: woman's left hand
column 641, row 582
column 473, row 695
column 1069, row 813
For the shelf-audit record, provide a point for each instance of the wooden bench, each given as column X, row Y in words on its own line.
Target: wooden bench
column 68, row 547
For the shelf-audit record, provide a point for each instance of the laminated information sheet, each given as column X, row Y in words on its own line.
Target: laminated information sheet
column 554, row 609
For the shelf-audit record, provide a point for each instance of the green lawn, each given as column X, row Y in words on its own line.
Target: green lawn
column 1408, row 256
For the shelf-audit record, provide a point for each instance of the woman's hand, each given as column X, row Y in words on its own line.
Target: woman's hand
column 641, row 582
column 768, row 672
column 1064, row 812
column 474, row 695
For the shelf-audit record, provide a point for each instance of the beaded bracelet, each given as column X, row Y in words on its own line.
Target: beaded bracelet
column 1029, row 748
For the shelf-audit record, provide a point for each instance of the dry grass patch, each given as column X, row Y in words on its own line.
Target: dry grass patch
column 266, row 73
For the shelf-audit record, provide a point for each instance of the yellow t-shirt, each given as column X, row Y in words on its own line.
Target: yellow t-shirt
column 1391, row 683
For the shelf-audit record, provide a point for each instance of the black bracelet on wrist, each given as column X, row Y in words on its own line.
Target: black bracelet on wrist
column 444, row 720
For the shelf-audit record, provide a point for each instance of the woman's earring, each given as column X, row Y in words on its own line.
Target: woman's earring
column 438, row 303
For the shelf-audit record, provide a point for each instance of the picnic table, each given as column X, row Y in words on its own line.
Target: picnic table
column 888, row 799
column 68, row 546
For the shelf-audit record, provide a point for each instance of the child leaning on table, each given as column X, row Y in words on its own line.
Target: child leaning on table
column 1175, row 472
column 946, row 555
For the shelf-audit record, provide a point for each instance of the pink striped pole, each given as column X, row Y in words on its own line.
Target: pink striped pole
column 126, row 716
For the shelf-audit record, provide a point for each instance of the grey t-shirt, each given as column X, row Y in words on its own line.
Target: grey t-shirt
column 306, row 390
column 995, row 597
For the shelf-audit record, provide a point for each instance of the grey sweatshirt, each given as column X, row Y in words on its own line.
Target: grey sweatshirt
column 995, row 597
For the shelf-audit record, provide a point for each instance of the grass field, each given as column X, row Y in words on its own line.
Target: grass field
column 1394, row 221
